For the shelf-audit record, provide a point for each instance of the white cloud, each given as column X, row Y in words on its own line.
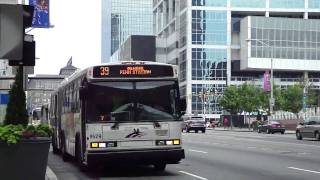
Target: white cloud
column 76, row 33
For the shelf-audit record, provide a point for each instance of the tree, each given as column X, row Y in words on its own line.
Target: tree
column 293, row 98
column 230, row 100
column 312, row 99
column 249, row 97
column 279, row 97
column 16, row 109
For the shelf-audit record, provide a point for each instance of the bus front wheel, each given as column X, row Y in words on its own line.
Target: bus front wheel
column 160, row 166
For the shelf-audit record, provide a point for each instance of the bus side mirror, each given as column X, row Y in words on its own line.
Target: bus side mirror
column 83, row 92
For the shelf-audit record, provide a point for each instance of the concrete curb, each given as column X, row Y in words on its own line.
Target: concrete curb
column 245, row 130
column 50, row 174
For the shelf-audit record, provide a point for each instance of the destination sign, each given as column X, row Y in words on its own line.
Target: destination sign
column 117, row 71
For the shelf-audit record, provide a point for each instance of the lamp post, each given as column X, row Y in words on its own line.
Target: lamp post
column 271, row 100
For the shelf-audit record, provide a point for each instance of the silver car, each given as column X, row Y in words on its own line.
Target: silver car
column 196, row 123
column 309, row 129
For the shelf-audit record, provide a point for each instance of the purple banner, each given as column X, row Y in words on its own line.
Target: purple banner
column 266, row 81
column 41, row 13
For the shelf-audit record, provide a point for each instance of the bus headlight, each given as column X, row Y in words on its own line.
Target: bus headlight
column 94, row 145
column 168, row 142
column 176, row 142
column 103, row 144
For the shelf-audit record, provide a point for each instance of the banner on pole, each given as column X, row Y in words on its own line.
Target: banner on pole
column 41, row 13
column 266, row 82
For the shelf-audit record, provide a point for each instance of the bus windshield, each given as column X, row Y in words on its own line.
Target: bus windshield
column 132, row 101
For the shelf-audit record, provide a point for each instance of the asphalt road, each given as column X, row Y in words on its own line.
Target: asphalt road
column 220, row 155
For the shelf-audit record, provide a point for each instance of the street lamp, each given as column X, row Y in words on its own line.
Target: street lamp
column 271, row 100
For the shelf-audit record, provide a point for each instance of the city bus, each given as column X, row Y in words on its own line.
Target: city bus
column 125, row 112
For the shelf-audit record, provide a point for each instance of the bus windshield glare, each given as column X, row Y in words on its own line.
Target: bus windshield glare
column 132, row 101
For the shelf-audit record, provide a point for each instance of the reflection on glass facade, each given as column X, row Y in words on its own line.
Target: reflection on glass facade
column 205, row 98
column 209, row 27
column 129, row 17
column 288, row 38
column 248, row 3
column 183, row 65
column 215, row 3
column 209, row 64
column 286, row 3
column 315, row 4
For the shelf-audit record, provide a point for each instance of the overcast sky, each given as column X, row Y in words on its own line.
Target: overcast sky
column 76, row 33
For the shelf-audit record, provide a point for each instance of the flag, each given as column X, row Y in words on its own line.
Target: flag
column 266, row 82
column 41, row 13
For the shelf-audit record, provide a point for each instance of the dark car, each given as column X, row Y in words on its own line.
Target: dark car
column 194, row 123
column 309, row 129
column 271, row 127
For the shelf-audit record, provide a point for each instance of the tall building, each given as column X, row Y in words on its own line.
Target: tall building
column 217, row 43
column 122, row 18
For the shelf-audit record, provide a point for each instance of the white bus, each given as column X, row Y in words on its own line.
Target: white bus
column 119, row 112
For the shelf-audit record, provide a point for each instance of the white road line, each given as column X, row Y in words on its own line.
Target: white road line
column 193, row 150
column 306, row 170
column 193, row 175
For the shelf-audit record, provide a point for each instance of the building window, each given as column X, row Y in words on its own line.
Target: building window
column 183, row 66
column 248, row 3
column 208, row 103
column 314, row 4
column 215, row 3
column 209, row 27
column 209, row 64
column 286, row 3
column 285, row 38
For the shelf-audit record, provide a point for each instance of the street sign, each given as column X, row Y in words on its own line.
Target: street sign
column 271, row 101
column 11, row 31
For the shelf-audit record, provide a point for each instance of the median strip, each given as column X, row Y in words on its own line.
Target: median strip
column 193, row 175
column 306, row 170
column 193, row 150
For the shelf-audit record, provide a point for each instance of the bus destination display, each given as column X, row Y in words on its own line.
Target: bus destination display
column 115, row 71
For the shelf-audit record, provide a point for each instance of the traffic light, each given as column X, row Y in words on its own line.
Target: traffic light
column 14, row 18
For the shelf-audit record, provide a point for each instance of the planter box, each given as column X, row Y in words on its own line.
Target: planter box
column 25, row 160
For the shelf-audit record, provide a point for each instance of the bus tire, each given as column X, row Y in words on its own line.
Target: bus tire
column 55, row 150
column 65, row 156
column 78, row 156
column 160, row 166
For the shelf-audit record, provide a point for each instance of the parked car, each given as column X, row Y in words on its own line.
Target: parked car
column 196, row 123
column 309, row 129
column 271, row 127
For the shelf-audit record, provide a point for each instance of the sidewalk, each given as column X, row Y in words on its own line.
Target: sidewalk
column 236, row 129
column 50, row 174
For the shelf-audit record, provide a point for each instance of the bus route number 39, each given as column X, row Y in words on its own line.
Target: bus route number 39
column 104, row 71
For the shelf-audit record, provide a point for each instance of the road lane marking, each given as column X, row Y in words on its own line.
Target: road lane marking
column 193, row 150
column 193, row 175
column 306, row 170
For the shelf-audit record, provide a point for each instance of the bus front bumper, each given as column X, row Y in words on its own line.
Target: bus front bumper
column 142, row 156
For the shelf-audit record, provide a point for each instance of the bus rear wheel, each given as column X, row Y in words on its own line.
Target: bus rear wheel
column 65, row 156
column 160, row 166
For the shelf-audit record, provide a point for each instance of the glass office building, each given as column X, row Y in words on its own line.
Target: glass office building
column 122, row 18
column 217, row 43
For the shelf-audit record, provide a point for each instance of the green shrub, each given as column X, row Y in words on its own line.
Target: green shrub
column 11, row 134
column 16, row 109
